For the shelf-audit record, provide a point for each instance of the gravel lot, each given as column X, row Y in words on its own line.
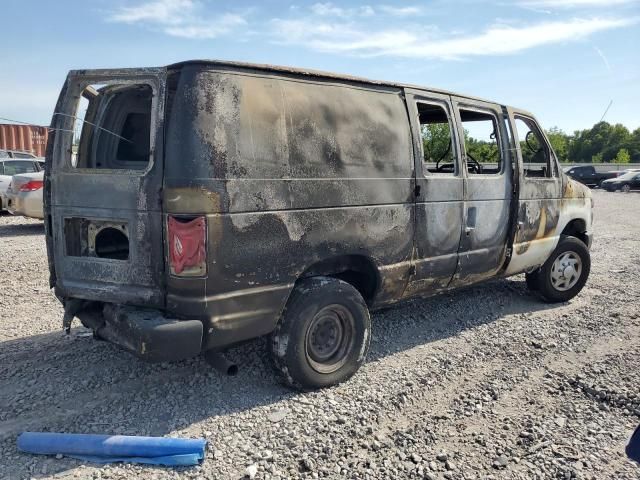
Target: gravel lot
column 482, row 383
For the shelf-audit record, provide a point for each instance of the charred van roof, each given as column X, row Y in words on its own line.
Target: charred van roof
column 319, row 74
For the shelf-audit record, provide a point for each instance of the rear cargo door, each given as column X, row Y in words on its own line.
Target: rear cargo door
column 103, row 187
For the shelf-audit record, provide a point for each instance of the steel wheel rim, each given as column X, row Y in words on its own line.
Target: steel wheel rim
column 566, row 271
column 330, row 338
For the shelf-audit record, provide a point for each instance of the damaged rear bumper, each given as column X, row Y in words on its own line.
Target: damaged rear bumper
column 146, row 333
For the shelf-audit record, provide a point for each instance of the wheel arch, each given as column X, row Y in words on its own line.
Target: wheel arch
column 357, row 270
column 577, row 228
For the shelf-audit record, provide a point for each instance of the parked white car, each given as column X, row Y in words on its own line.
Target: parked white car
column 12, row 166
column 24, row 195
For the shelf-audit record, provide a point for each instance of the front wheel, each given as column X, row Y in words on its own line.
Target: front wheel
column 565, row 272
column 323, row 335
column 626, row 188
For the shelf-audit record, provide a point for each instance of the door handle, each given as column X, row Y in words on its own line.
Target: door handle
column 471, row 221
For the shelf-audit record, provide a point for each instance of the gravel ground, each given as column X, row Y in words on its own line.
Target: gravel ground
column 487, row 382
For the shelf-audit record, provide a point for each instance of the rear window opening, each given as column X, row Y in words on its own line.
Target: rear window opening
column 96, row 238
column 113, row 127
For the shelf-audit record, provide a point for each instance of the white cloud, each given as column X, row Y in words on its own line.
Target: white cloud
column 165, row 12
column 222, row 25
column 179, row 18
column 399, row 11
column 345, row 38
column 329, row 9
column 574, row 3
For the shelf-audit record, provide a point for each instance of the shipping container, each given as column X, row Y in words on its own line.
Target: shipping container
column 26, row 138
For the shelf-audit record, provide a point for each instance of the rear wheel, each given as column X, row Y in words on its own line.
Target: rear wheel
column 626, row 188
column 566, row 271
column 323, row 336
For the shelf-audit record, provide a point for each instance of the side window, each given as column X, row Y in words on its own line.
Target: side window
column 481, row 142
column 536, row 156
column 435, row 132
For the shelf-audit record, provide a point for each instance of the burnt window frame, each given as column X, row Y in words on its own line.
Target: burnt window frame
column 553, row 164
column 453, row 132
column 503, row 154
column 75, row 95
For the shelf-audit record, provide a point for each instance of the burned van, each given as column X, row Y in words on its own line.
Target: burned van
column 195, row 206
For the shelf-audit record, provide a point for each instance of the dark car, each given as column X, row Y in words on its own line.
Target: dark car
column 625, row 183
column 588, row 175
column 214, row 202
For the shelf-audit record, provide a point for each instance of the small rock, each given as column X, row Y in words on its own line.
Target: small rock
column 307, row 465
column 252, row 471
column 560, row 421
column 442, row 457
column 277, row 416
column 416, row 458
column 500, row 462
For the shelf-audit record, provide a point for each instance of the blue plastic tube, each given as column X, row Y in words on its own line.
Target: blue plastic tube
column 115, row 448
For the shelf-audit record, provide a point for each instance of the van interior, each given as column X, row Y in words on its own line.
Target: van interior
column 113, row 127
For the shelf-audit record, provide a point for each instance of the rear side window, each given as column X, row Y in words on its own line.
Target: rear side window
column 17, row 167
column 113, row 127
column 22, row 155
column 437, row 140
column 481, row 142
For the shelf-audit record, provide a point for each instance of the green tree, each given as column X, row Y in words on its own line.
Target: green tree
column 623, row 156
column 559, row 142
column 436, row 142
column 602, row 142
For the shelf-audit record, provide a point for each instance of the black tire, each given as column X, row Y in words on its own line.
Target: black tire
column 533, row 280
column 323, row 336
column 547, row 290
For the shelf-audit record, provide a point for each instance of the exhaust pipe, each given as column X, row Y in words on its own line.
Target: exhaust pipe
column 221, row 363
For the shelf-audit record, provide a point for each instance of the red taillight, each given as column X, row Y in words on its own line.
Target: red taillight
column 187, row 245
column 32, row 186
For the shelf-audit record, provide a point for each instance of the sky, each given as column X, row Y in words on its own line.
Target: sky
column 563, row 60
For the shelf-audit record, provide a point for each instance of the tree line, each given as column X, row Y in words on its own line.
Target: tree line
column 601, row 143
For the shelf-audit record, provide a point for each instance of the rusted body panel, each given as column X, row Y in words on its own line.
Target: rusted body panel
column 297, row 174
column 292, row 174
column 545, row 208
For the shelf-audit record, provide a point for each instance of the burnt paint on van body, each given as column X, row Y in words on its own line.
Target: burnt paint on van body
column 298, row 174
